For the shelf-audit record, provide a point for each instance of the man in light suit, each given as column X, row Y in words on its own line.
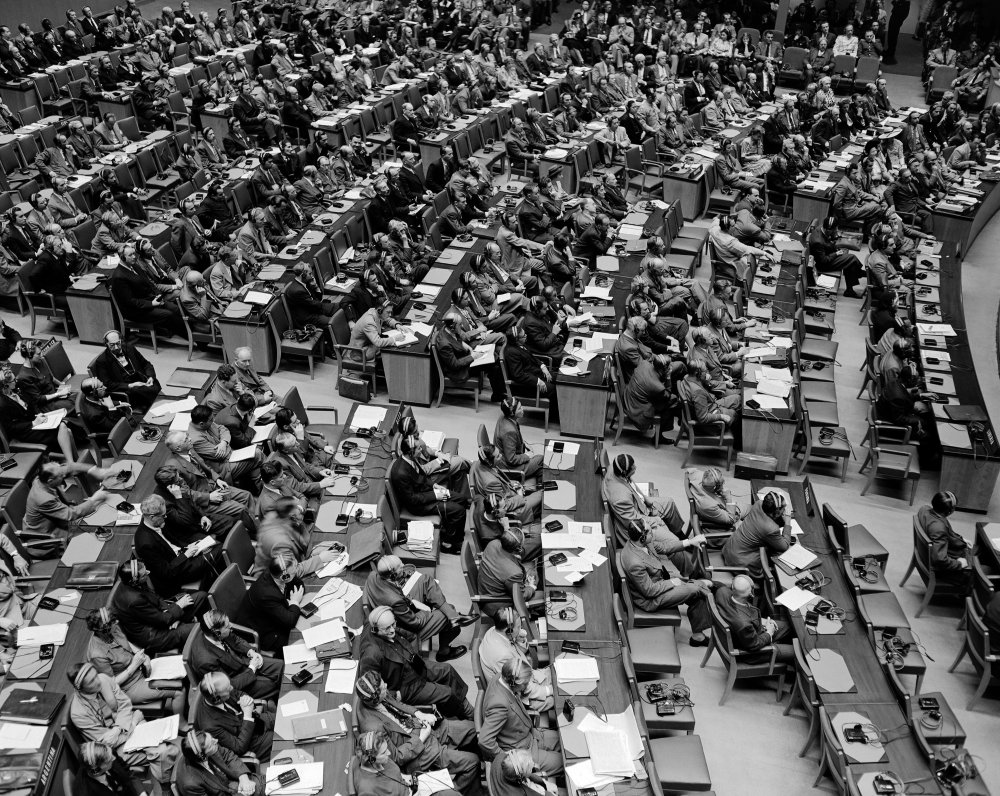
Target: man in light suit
column 212, row 443
column 628, row 505
column 254, row 239
column 109, row 135
column 417, row 602
column 197, row 474
column 283, row 532
column 249, row 378
column 312, row 197
column 750, row 631
column 507, row 725
column 47, row 511
column 653, row 586
column 58, row 160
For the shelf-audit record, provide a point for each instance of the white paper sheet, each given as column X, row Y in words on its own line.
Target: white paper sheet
column 431, row 782
column 260, row 411
column 243, row 454
column 340, row 678
column 298, row 653
column 296, row 708
column 173, row 407
column 569, row 668
column 323, row 633
column 261, row 433
column 794, row 598
column 153, row 733
column 368, row 416
column 46, row 421
column 167, row 667
column 21, row 736
column 798, row 557
column 37, row 635
column 181, row 422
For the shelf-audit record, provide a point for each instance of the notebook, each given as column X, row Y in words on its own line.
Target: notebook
column 966, row 413
column 31, row 707
column 92, row 575
column 326, row 724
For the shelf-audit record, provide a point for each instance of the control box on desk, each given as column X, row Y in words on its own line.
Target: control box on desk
column 752, row 465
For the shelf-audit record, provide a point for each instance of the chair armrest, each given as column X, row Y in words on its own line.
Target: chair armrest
column 654, row 164
column 167, row 685
column 247, row 633
column 336, row 415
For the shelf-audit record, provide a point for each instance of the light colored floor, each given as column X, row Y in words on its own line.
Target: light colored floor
column 751, row 748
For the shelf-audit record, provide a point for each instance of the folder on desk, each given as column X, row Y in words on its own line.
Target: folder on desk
column 966, row 413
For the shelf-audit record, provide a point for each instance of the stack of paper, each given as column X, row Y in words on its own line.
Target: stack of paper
column 420, row 536
column 167, row 667
column 37, row 635
column 323, row 633
column 432, row 439
column 609, row 752
column 431, row 782
column 582, row 775
column 173, row 407
column 310, row 779
column 21, row 736
column 151, row 734
column 798, row 557
column 795, row 598
column 573, row 668
column 368, row 417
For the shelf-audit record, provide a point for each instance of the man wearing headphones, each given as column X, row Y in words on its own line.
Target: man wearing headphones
column 752, row 632
column 528, row 374
column 502, row 572
column 655, row 586
column 419, row 741
column 233, row 718
column 274, row 601
column 418, row 604
column 765, row 525
column 507, row 725
column 208, row 768
column 523, row 503
column 903, row 402
column 545, row 330
column 212, row 443
column 217, row 648
column 951, row 553
column 459, row 362
column 628, row 504
column 507, row 437
column 507, row 640
column 394, row 655
column 650, row 392
column 515, row 773
column 419, row 494
column 283, row 532
column 148, row 620
column 734, row 256
column 712, row 500
column 214, row 513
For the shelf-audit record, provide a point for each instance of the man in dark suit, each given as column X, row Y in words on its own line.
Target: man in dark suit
column 208, row 768
column 509, row 441
column 696, row 93
column 537, row 63
column 286, row 450
column 189, row 512
column 305, row 299
column 506, row 723
column 749, row 630
column 950, row 551
column 253, row 117
column 535, row 222
column 232, row 718
column 405, row 130
column 216, row 648
column 171, row 567
column 98, row 412
column 419, row 494
column 394, row 655
column 139, row 299
column 409, row 178
column 147, row 619
column 526, row 373
column 595, row 241
column 238, row 418
column 274, row 602
column 121, row 368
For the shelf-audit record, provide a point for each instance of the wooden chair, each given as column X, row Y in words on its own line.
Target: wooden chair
column 805, row 693
column 679, row 762
column 195, row 336
column 921, row 561
column 310, row 348
column 891, row 461
column 120, row 434
column 737, row 662
column 823, row 442
column 531, row 404
column 857, row 540
column 134, row 326
column 390, row 524
column 346, row 362
column 668, row 617
column 682, row 721
column 42, row 304
column 471, row 386
column 707, row 436
column 832, row 761
column 976, row 645
column 949, row 731
column 228, row 594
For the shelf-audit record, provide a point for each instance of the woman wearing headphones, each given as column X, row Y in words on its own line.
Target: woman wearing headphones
column 209, row 769
column 765, row 525
column 508, row 640
column 712, row 501
column 102, row 713
column 104, row 774
column 375, row 774
column 419, row 741
column 486, row 477
column 112, row 655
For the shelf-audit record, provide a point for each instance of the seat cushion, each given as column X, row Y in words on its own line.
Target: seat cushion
column 818, row 391
column 654, row 650
column 681, row 245
column 680, row 763
column 884, row 610
column 667, row 617
column 818, row 349
column 823, row 413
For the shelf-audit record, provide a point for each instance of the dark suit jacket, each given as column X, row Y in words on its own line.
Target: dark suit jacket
column 304, row 306
column 116, row 377
column 523, row 368
column 240, row 429
column 196, row 780
column 743, row 620
column 144, row 615
column 414, row 488
column 226, row 724
column 270, row 613
column 404, row 128
column 15, row 418
column 205, row 657
column 133, row 292
column 168, row 571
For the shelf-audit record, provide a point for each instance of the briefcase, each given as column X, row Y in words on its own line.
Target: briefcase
column 92, row 575
column 355, row 389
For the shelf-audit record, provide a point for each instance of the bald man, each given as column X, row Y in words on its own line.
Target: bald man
column 751, row 631
column 197, row 302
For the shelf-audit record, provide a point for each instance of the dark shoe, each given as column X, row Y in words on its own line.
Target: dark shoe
column 462, row 620
column 451, row 653
column 703, row 643
column 849, row 293
column 451, row 549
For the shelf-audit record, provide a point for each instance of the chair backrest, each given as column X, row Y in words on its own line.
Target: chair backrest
column 341, row 329
column 483, row 436
column 60, row 368
column 830, row 745
column 943, row 77
column 977, row 636
column 921, row 549
column 15, row 504
column 722, row 634
column 228, row 593
column 325, row 269
column 238, row 550
column 279, row 320
column 867, row 69
column 293, row 401
column 29, row 115
column 118, row 436
column 130, row 127
column 982, row 587
column 803, row 674
column 470, row 567
column 794, row 58
column 899, row 691
column 837, row 526
column 843, row 64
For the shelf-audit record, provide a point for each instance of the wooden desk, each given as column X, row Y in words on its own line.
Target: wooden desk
column 811, row 205
column 596, row 593
column 254, row 332
column 690, row 190
column 122, row 108
column 972, row 472
column 19, row 94
column 963, row 228
column 92, row 313
column 583, row 401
